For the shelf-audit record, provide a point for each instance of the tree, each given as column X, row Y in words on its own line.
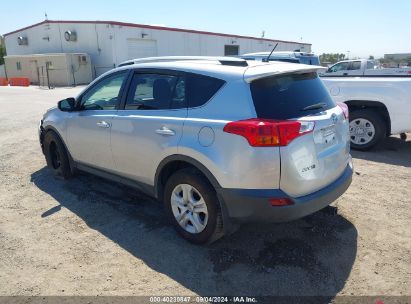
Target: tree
column 371, row 57
column 2, row 51
column 331, row 57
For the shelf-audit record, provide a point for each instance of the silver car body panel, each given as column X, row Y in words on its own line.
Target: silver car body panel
column 141, row 139
column 315, row 160
column 133, row 147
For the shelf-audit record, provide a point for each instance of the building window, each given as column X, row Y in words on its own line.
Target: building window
column 231, row 50
column 18, row 65
column 82, row 60
column 49, row 65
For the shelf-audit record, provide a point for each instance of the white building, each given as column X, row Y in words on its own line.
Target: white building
column 397, row 56
column 109, row 43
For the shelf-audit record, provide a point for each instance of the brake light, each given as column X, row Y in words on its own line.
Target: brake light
column 269, row 133
column 344, row 107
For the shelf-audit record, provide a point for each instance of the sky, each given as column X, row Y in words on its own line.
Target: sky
column 360, row 27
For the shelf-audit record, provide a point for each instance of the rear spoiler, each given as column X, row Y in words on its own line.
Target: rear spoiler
column 272, row 69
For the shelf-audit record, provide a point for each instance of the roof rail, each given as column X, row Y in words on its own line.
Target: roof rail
column 233, row 61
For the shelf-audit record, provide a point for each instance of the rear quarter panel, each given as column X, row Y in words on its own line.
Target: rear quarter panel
column 232, row 161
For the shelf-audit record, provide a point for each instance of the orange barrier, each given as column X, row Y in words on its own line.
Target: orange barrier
column 19, row 81
column 3, row 81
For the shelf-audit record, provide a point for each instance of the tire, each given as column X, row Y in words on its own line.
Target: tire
column 367, row 129
column 207, row 226
column 56, row 156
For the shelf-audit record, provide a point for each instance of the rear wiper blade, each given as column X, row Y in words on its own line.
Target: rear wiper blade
column 315, row 106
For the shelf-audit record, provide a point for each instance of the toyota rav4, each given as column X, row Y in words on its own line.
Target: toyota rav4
column 220, row 141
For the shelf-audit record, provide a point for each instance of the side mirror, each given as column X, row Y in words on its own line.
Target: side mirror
column 67, row 105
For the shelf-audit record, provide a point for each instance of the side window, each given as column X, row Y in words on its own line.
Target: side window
column 104, row 95
column 355, row 65
column 200, row 89
column 156, row 92
column 370, row 65
column 343, row 66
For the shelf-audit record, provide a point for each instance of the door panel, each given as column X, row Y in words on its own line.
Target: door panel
column 355, row 68
column 89, row 128
column 338, row 69
column 89, row 138
column 150, row 126
column 140, row 139
column 34, row 72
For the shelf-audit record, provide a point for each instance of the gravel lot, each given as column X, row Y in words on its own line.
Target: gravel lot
column 89, row 236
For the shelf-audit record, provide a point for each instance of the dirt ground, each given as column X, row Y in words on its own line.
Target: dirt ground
column 89, row 236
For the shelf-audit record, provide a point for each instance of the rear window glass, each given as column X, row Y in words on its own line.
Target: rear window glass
column 200, row 89
column 355, row 65
column 311, row 60
column 286, row 96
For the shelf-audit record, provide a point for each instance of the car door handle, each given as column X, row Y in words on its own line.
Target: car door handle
column 103, row 124
column 165, row 131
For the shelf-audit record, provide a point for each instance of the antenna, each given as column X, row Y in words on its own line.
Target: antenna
column 45, row 16
column 268, row 57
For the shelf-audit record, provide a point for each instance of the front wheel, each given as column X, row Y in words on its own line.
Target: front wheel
column 56, row 156
column 193, row 207
column 367, row 129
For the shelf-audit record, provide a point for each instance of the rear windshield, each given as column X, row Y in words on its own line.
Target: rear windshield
column 286, row 96
column 311, row 60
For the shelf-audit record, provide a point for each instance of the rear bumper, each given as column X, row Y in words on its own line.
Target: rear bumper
column 245, row 205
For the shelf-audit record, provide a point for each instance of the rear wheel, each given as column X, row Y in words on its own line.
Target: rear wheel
column 56, row 156
column 193, row 207
column 367, row 129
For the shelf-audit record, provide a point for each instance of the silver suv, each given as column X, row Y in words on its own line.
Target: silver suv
column 219, row 141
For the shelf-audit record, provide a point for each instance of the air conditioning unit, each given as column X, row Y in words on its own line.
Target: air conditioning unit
column 70, row 36
column 22, row 40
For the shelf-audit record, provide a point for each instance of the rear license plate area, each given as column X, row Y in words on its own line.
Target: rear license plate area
column 328, row 135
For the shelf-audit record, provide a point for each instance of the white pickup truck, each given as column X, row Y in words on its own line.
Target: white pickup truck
column 379, row 106
column 364, row 67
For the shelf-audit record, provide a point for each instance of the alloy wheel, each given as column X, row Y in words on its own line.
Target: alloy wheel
column 189, row 208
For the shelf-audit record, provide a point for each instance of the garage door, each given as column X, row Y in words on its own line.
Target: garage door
column 139, row 48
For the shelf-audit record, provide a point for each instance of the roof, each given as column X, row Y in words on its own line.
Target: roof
column 154, row 27
column 221, row 59
column 279, row 53
column 254, row 69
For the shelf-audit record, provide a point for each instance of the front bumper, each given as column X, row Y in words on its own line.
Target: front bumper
column 245, row 205
column 41, row 134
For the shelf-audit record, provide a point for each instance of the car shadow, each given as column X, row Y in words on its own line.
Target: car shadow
column 311, row 256
column 392, row 150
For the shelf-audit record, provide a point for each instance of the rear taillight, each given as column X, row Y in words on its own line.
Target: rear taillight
column 269, row 133
column 344, row 107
